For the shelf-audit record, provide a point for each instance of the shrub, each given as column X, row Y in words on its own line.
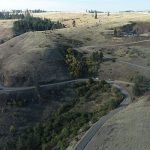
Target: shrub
column 136, row 90
column 90, row 81
column 12, row 129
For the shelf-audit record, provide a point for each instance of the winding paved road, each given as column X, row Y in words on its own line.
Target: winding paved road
column 17, row 89
column 94, row 129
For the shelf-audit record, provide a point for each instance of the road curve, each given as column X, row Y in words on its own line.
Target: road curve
column 94, row 129
column 17, row 89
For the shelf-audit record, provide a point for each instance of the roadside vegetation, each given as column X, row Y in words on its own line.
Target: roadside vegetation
column 76, row 63
column 68, row 121
column 141, row 85
column 80, row 66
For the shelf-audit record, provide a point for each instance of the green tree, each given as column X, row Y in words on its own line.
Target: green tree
column 77, row 66
column 136, row 90
column 74, row 23
column 101, row 56
column 33, row 142
column 95, row 15
column 29, row 23
column 108, row 14
column 12, row 129
column 115, row 32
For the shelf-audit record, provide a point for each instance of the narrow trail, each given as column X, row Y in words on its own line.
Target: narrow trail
column 121, row 44
column 134, row 65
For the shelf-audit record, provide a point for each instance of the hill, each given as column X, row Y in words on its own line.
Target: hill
column 129, row 129
column 32, row 56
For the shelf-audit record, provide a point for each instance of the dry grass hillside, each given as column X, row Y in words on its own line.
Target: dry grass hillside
column 129, row 129
column 93, row 32
column 32, row 56
column 40, row 52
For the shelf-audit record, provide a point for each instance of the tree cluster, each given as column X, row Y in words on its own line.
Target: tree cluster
column 94, row 62
column 7, row 15
column 37, row 11
column 30, row 23
column 80, row 66
column 93, row 11
column 97, row 57
column 53, row 134
column 76, row 64
column 140, row 86
column 64, row 125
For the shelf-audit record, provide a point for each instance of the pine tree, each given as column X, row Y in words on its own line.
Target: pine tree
column 115, row 32
column 95, row 14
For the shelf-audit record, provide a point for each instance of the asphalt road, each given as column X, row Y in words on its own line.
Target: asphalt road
column 94, row 129
column 17, row 89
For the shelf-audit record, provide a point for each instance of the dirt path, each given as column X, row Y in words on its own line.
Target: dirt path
column 121, row 44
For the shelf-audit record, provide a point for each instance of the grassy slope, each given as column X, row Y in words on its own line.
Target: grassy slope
column 31, row 47
column 31, row 53
column 129, row 129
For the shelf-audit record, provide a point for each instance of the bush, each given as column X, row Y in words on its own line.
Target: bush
column 110, row 105
column 140, row 85
column 136, row 90
column 90, row 81
column 12, row 129
column 140, row 80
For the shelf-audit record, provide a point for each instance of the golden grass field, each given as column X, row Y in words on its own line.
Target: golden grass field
column 89, row 32
column 89, row 29
column 83, row 19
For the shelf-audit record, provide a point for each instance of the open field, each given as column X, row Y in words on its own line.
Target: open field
column 84, row 19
